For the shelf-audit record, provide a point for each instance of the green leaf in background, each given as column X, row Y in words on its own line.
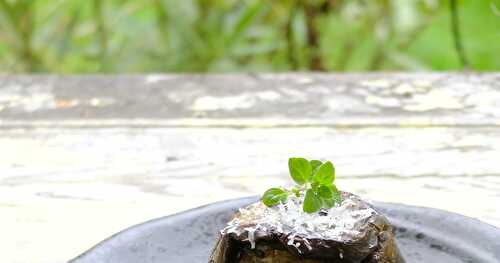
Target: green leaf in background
column 325, row 174
column 244, row 21
column 300, row 170
column 274, row 196
column 312, row 203
column 315, row 164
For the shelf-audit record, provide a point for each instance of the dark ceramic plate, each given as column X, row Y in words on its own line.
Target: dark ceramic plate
column 424, row 235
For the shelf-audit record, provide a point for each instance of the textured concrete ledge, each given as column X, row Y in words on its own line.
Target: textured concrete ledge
column 248, row 100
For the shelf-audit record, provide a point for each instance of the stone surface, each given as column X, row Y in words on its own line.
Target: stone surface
column 84, row 157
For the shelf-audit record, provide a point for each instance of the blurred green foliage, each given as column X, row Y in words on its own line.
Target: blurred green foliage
column 69, row 36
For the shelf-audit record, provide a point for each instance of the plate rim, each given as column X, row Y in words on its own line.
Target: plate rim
column 474, row 223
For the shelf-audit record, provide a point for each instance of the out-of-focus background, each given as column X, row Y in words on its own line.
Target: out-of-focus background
column 64, row 36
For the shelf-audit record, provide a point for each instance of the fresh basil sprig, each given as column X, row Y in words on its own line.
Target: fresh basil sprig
column 315, row 178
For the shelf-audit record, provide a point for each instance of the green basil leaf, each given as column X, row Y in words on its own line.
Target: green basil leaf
column 300, row 170
column 328, row 203
column 337, row 195
column 325, row 175
column 274, row 196
column 315, row 164
column 325, row 192
column 314, row 186
column 312, row 203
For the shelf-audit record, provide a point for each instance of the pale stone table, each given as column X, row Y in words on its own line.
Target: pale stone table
column 84, row 157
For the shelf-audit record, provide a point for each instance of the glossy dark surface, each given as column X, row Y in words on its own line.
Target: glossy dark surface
column 424, row 235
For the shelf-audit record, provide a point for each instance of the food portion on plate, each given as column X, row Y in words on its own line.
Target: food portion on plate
column 311, row 222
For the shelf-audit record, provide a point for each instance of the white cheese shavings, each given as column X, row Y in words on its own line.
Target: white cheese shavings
column 339, row 223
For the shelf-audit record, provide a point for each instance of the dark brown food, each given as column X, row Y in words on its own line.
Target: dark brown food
column 373, row 243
